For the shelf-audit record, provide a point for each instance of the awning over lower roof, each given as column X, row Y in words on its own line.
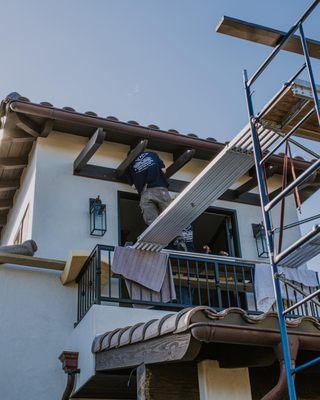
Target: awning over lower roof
column 177, row 337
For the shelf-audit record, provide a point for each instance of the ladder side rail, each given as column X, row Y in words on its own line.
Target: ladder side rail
column 283, row 41
column 270, row 241
column 310, row 72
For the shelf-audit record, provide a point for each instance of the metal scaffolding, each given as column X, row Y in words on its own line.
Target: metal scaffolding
column 307, row 246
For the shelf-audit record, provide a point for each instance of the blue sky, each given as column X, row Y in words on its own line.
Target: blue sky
column 153, row 61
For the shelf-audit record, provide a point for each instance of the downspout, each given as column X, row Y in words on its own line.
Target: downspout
column 69, row 360
column 279, row 391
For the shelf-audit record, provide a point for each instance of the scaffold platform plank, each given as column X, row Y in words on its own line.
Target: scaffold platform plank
column 265, row 35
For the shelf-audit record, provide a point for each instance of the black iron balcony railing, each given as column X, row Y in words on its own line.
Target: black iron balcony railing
column 219, row 282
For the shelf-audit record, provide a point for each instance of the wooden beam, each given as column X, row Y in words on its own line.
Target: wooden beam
column 134, row 153
column 9, row 185
column 265, row 35
column 5, row 204
column 108, row 386
column 169, row 381
column 28, row 261
column 178, row 347
column 89, row 150
column 17, row 136
column 27, row 125
column 175, row 185
column 47, row 128
column 252, row 183
column 12, row 162
column 180, row 162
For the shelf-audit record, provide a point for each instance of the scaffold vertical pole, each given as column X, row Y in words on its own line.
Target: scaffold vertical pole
column 270, row 240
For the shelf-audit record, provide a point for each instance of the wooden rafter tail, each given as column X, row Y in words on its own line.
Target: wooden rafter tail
column 27, row 125
column 89, row 150
column 134, row 153
column 9, row 185
column 13, row 162
column 180, row 162
column 252, row 183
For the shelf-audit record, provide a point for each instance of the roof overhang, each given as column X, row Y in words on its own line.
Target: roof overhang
column 180, row 337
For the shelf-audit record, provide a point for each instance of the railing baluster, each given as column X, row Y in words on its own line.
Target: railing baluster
column 227, row 283
column 207, row 284
column 198, row 283
column 218, row 284
column 190, row 302
column 179, row 280
column 253, row 285
column 235, row 278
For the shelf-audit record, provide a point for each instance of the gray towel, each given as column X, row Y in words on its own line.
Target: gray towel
column 148, row 274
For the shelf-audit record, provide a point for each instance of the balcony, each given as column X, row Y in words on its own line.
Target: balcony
column 199, row 279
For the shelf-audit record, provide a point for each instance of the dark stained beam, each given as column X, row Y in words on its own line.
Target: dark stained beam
column 134, row 153
column 265, row 35
column 47, row 128
column 12, row 162
column 252, row 183
column 180, row 162
column 27, row 125
column 108, row 386
column 17, row 136
column 9, row 185
column 179, row 347
column 5, row 204
column 89, row 150
column 175, row 185
column 169, row 381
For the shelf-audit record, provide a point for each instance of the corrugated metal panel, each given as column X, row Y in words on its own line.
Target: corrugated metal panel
column 226, row 168
column 303, row 254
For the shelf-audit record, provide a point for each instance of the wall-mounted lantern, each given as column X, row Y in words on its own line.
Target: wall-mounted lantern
column 98, row 218
column 261, row 241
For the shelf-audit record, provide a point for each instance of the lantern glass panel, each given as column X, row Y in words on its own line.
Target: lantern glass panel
column 98, row 219
column 261, row 241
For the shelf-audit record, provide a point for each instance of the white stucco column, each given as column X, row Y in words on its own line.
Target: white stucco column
column 217, row 383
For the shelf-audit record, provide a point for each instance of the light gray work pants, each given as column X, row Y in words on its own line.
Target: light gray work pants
column 153, row 201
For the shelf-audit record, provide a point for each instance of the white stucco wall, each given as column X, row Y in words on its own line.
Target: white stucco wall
column 37, row 315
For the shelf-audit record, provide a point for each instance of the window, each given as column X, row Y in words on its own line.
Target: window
column 22, row 232
column 216, row 227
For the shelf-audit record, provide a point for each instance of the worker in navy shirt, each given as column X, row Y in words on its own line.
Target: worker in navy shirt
column 147, row 175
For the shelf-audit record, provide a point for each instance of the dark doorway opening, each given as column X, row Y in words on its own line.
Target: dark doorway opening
column 216, row 227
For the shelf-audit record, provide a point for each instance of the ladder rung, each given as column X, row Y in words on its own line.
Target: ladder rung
column 303, row 250
column 301, row 178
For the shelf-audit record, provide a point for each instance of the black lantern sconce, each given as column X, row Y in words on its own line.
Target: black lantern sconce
column 261, row 241
column 98, row 218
